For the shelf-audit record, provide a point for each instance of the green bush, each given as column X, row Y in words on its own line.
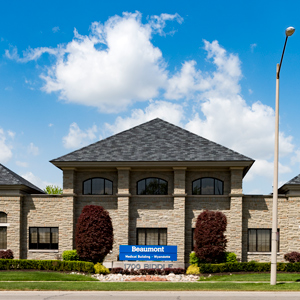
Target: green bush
column 230, row 257
column 52, row 265
column 194, row 259
column 193, row 270
column 70, row 255
column 100, row 269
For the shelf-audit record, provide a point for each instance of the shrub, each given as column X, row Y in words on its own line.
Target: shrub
column 210, row 241
column 292, row 257
column 230, row 257
column 100, row 269
column 193, row 270
column 70, row 255
column 165, row 271
column 94, row 234
column 6, row 254
column 194, row 260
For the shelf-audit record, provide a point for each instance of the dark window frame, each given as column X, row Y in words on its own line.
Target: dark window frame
column 91, row 180
column 214, row 193
column 35, row 246
column 145, row 179
column 270, row 237
column 159, row 232
column 4, row 227
column 3, row 214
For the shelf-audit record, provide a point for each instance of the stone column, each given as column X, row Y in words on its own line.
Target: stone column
column 69, row 181
column 178, row 227
column 234, row 227
column 122, row 231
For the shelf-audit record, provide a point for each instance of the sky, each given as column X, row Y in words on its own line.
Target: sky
column 75, row 72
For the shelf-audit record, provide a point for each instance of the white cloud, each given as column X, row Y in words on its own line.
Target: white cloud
column 37, row 181
column 55, row 29
column 250, row 92
column 32, row 149
column 252, row 46
column 78, row 138
column 22, row 164
column 5, row 148
column 50, row 124
column 170, row 112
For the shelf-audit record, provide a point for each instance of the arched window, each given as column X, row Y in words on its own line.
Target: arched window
column 152, row 186
column 3, row 230
column 97, row 186
column 208, row 186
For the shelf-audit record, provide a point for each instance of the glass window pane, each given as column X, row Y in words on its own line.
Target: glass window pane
column 152, row 187
column 87, row 187
column 141, row 239
column 3, row 238
column 263, row 240
column 252, row 240
column 54, row 237
column 218, row 187
column 3, row 217
column 196, row 187
column 108, row 187
column 97, row 186
column 33, row 238
column 141, row 187
column 152, row 236
column 163, row 187
column 163, row 236
column 44, row 238
column 207, row 186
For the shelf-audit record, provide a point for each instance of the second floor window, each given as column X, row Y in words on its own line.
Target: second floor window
column 97, row 186
column 208, row 186
column 152, row 186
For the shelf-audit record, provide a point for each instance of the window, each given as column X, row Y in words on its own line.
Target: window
column 97, row 186
column 151, row 236
column 43, row 238
column 152, row 186
column 207, row 186
column 259, row 240
column 3, row 230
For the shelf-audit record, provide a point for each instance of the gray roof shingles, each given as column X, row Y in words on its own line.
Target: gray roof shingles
column 156, row 140
column 8, row 177
column 295, row 180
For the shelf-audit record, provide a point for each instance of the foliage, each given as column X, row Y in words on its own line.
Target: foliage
column 210, row 241
column 94, row 234
column 53, row 265
column 100, row 269
column 230, row 257
column 194, row 259
column 193, row 270
column 53, row 190
column 165, row 271
column 6, row 254
column 70, row 255
column 292, row 257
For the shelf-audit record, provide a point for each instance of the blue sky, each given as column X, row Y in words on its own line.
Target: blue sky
column 74, row 72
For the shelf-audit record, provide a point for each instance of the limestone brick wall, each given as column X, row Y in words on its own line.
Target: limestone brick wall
column 69, row 180
column 11, row 205
column 47, row 211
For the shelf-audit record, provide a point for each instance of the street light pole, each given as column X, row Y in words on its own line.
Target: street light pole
column 289, row 31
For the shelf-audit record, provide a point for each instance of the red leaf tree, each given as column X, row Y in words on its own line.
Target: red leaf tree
column 210, row 241
column 94, row 234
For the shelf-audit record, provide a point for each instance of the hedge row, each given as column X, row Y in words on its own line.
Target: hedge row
column 248, row 267
column 53, row 265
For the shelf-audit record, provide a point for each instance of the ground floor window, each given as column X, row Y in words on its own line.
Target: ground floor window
column 3, row 238
column 43, row 238
column 260, row 240
column 151, row 236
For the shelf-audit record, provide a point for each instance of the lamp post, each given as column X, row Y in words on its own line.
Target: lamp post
column 288, row 32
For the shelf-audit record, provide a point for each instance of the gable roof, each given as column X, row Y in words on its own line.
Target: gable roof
column 295, row 180
column 10, row 178
column 293, row 184
column 154, row 141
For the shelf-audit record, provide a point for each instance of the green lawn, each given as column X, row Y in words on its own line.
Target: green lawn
column 41, row 276
column 252, row 277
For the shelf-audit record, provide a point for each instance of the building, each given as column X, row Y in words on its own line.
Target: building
column 154, row 180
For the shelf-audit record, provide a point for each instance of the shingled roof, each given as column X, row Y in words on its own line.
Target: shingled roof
column 295, row 180
column 153, row 141
column 10, row 178
column 293, row 184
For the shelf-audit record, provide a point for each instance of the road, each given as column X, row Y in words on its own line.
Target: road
column 202, row 295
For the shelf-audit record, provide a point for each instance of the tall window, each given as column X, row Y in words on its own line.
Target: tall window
column 208, row 186
column 43, row 238
column 259, row 240
column 3, row 230
column 152, row 186
column 151, row 236
column 97, row 186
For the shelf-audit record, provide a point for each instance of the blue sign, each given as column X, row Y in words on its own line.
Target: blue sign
column 154, row 253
